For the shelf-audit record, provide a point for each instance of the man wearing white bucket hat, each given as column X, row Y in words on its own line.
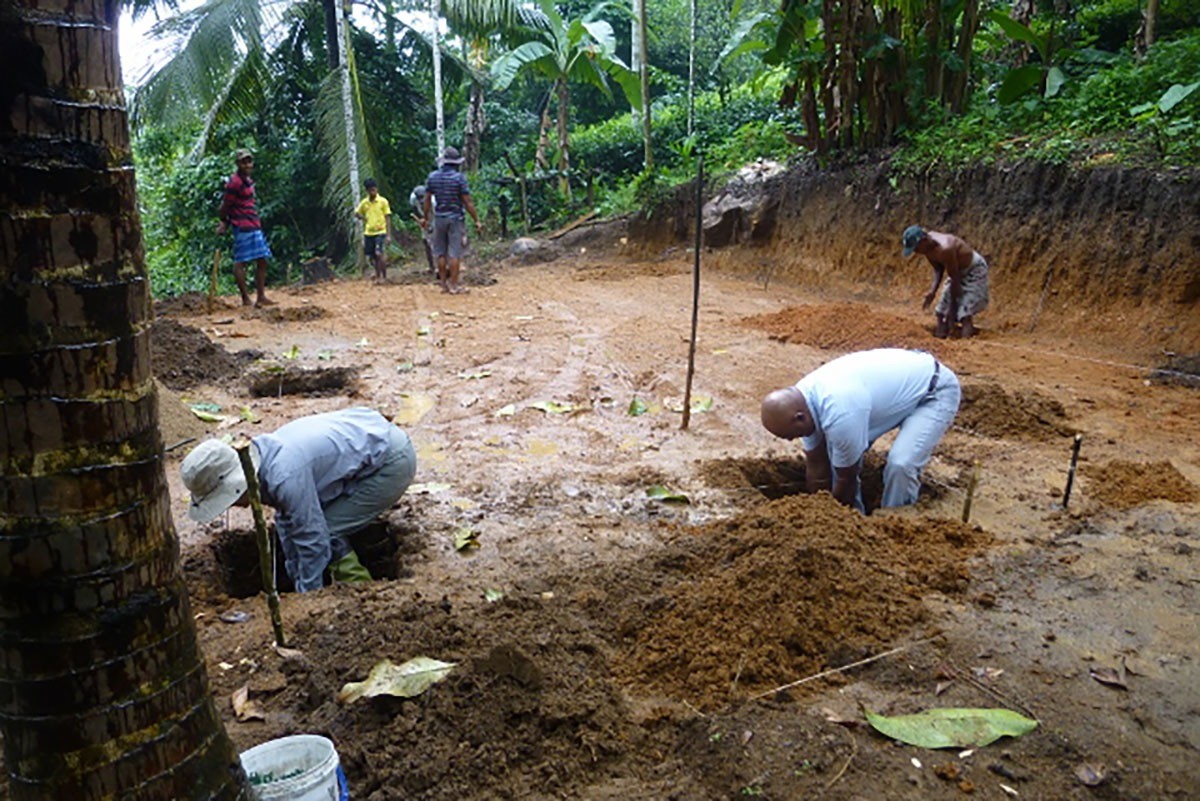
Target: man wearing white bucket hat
column 326, row 475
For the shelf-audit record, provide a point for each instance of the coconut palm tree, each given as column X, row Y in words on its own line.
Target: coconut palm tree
column 479, row 22
column 103, row 691
column 568, row 51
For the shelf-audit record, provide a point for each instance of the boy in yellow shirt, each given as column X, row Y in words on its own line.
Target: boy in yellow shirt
column 376, row 214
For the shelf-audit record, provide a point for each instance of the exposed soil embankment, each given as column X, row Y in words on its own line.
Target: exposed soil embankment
column 1107, row 255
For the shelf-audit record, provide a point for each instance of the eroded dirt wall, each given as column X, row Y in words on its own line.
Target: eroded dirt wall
column 1111, row 256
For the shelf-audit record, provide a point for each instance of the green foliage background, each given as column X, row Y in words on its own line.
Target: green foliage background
column 1111, row 108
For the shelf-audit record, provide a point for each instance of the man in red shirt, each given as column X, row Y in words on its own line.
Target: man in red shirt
column 239, row 213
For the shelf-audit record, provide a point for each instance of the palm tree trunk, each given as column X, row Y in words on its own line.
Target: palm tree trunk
column 959, row 81
column 103, row 691
column 564, row 144
column 933, row 49
column 474, row 128
column 343, row 38
column 644, row 76
column 437, row 77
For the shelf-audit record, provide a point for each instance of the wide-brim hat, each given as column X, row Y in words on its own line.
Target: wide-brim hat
column 451, row 156
column 213, row 474
column 913, row 234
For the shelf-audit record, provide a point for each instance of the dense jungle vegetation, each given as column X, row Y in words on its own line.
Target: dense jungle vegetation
column 553, row 96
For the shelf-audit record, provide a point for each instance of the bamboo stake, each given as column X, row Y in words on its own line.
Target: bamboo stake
column 966, row 515
column 844, row 668
column 691, row 368
column 1071, row 470
column 212, row 284
column 266, row 559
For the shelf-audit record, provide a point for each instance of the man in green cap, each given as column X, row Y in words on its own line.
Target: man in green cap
column 327, row 476
column 966, row 290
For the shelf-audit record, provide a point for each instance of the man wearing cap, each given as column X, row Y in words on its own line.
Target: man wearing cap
column 838, row 410
column 238, row 212
column 326, row 475
column 448, row 187
column 416, row 199
column 966, row 290
column 376, row 214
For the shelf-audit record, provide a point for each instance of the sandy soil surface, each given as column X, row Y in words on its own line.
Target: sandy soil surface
column 610, row 645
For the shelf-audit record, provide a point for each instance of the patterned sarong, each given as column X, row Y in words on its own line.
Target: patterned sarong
column 249, row 246
column 974, row 290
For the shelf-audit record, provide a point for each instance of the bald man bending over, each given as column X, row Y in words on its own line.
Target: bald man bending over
column 838, row 410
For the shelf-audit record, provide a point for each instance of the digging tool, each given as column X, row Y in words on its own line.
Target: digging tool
column 266, row 559
column 691, row 368
column 212, row 284
column 1071, row 470
column 966, row 515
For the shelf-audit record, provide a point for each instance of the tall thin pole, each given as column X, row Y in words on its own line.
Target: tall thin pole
column 691, row 100
column 266, row 559
column 691, row 368
column 437, row 77
column 343, row 37
column 644, row 75
column 1071, row 469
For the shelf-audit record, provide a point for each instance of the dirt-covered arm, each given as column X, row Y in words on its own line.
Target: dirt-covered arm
column 817, row 475
column 845, row 485
column 938, row 271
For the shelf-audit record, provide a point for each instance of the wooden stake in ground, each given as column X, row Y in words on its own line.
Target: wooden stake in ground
column 1071, row 469
column 691, row 368
column 966, row 515
column 266, row 559
column 212, row 284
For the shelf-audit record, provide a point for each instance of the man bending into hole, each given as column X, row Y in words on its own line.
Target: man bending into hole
column 838, row 410
column 327, row 476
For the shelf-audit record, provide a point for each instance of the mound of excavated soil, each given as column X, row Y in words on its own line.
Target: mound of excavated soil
column 183, row 357
column 189, row 303
column 1127, row 484
column 175, row 419
column 844, row 326
column 782, row 591
column 993, row 411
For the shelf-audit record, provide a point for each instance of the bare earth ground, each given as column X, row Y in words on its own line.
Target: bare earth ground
column 623, row 659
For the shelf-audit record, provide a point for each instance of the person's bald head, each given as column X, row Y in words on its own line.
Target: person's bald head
column 785, row 414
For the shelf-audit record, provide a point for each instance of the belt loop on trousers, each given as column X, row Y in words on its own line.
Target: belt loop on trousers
column 933, row 381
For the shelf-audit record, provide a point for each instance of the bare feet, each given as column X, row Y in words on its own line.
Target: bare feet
column 968, row 329
column 459, row 290
column 246, row 300
column 941, row 329
column 264, row 301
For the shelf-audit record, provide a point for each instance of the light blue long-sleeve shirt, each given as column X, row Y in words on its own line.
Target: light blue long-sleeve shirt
column 305, row 465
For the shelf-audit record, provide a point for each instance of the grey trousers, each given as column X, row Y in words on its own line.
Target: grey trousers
column 371, row 495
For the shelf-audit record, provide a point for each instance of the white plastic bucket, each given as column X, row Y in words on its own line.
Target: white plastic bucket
column 303, row 767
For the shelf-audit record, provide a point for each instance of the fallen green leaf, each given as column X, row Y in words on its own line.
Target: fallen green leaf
column 465, row 538
column 660, row 493
column 362, row 343
column 475, row 376
column 506, row 411
column 208, row 417
column 249, row 415
column 637, row 407
column 324, row 355
column 952, row 728
column 700, row 403
column 491, row 596
column 423, row 331
column 404, row 681
column 206, row 407
column 553, row 407
column 292, row 353
column 404, row 367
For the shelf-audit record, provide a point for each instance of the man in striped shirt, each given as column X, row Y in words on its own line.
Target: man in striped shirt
column 239, row 213
column 448, row 187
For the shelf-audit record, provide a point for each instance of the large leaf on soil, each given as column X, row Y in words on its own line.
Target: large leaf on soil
column 403, row 681
column 952, row 728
